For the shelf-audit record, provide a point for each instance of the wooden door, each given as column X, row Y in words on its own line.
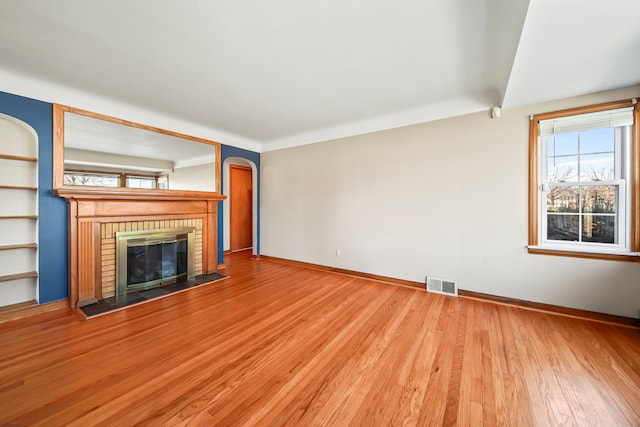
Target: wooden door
column 241, row 207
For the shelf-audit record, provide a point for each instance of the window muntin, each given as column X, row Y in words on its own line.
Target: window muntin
column 583, row 185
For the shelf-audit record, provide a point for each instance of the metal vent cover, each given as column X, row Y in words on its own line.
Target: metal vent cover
column 442, row 286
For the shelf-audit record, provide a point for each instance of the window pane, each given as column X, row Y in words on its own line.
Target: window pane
column 597, row 167
column 101, row 180
column 563, row 199
column 597, row 141
column 163, row 182
column 562, row 169
column 599, row 199
column 563, row 227
column 141, row 182
column 563, row 144
column 598, row 228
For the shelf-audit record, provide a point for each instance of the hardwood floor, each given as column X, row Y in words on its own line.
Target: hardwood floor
column 277, row 344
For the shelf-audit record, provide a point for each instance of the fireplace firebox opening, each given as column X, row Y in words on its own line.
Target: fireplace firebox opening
column 151, row 258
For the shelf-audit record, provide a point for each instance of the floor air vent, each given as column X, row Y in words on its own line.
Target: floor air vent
column 441, row 286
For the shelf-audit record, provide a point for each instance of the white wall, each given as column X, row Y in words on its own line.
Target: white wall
column 197, row 178
column 445, row 198
column 95, row 160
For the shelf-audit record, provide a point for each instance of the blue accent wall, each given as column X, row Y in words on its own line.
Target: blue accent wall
column 53, row 270
column 53, row 260
column 226, row 152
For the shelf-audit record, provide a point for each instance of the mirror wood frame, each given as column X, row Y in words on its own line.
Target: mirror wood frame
column 59, row 111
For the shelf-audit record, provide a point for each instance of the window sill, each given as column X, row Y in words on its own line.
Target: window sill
column 628, row 257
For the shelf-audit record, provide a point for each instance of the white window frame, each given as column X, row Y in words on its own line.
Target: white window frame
column 627, row 181
column 622, row 170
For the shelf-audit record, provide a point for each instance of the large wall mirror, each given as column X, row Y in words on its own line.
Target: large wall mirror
column 93, row 150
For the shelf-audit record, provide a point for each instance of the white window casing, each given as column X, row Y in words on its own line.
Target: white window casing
column 621, row 120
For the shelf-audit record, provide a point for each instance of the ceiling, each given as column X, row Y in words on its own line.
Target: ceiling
column 284, row 73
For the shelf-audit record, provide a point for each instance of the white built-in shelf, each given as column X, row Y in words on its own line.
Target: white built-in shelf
column 21, row 246
column 18, row 276
column 17, row 187
column 18, row 207
column 22, row 158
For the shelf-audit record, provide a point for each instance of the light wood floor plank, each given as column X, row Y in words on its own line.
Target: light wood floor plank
column 280, row 344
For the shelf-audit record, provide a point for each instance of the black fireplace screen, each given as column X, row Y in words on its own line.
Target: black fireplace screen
column 160, row 261
column 146, row 259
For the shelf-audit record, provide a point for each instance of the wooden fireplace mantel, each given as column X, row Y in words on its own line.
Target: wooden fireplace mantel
column 90, row 207
column 126, row 193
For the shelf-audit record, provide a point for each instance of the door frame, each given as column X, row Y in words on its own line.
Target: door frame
column 243, row 168
column 226, row 211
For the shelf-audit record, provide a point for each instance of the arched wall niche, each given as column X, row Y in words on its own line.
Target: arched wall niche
column 18, row 212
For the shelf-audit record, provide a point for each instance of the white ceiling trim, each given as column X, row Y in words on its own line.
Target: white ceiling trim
column 430, row 112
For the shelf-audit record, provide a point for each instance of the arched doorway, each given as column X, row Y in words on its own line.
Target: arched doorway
column 250, row 169
column 240, row 207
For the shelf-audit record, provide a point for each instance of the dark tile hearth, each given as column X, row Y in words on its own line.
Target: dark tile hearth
column 115, row 303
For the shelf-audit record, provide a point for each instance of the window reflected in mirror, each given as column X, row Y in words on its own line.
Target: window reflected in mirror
column 97, row 179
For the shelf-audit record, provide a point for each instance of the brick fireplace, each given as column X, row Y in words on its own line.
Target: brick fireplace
column 112, row 238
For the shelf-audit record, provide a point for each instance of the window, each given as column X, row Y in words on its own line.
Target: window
column 92, row 179
column 163, row 182
column 114, row 179
column 583, row 191
column 141, row 181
